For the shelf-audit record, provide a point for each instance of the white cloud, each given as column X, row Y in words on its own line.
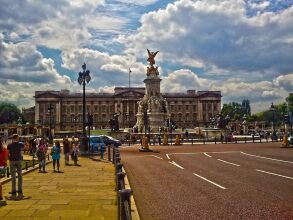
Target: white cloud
column 260, row 6
column 105, row 69
column 285, row 81
column 218, row 33
column 139, row 2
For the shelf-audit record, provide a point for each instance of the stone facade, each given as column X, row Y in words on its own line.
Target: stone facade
column 188, row 109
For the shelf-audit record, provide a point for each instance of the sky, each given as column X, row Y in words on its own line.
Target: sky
column 244, row 48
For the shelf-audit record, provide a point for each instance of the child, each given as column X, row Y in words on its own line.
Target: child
column 55, row 152
column 75, row 151
column 41, row 154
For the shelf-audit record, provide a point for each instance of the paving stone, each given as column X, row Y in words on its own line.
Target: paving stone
column 86, row 192
column 69, row 213
column 20, row 213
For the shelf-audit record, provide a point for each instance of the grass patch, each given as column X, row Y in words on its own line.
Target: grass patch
column 99, row 132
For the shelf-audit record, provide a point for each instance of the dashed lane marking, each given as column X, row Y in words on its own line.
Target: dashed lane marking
column 207, row 155
column 177, row 165
column 267, row 158
column 222, row 187
column 224, row 161
column 275, row 174
column 154, row 156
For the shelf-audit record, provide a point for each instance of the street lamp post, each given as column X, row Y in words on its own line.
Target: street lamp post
column 50, row 109
column 83, row 79
column 273, row 109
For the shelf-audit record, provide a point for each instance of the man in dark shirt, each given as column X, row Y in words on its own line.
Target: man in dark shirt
column 14, row 155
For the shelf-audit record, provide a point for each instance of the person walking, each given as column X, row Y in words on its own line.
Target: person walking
column 3, row 159
column 55, row 152
column 75, row 151
column 66, row 150
column 14, row 155
column 41, row 155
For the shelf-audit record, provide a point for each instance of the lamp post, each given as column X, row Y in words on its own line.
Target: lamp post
column 129, row 133
column 50, row 109
column 273, row 109
column 83, row 79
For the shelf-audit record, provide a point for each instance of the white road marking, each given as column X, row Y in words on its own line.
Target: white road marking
column 267, row 158
column 222, row 187
column 234, row 164
column 275, row 174
column 207, row 155
column 215, row 152
column 177, row 165
column 167, row 155
column 154, row 156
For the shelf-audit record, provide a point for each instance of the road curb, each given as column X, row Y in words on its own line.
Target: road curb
column 134, row 211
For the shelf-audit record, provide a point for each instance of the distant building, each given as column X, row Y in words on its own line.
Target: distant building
column 188, row 109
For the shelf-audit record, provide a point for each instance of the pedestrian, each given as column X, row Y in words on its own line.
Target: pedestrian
column 55, row 152
column 3, row 160
column 66, row 150
column 41, row 155
column 159, row 140
column 14, row 155
column 75, row 151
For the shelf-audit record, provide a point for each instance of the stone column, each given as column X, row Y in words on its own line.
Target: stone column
column 37, row 112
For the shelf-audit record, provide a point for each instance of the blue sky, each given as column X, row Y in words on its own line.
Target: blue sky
column 243, row 48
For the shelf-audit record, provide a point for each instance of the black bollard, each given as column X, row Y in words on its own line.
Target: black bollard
column 259, row 139
column 113, row 154
column 33, row 162
column 120, row 180
column 245, row 140
column 192, row 141
column 252, row 138
column 215, row 140
column 125, row 195
column 119, row 167
column 109, row 154
column 203, row 139
column 235, row 140
column 26, row 165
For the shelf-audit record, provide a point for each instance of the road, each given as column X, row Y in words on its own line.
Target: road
column 234, row 181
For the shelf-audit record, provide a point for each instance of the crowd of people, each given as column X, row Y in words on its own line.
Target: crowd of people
column 39, row 148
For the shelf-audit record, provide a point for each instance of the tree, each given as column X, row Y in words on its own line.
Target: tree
column 235, row 111
column 9, row 113
column 289, row 101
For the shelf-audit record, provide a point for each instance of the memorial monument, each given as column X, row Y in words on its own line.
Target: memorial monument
column 152, row 108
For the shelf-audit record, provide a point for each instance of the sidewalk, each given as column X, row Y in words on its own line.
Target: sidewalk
column 81, row 192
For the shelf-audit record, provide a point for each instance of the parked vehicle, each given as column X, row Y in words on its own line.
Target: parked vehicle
column 96, row 143
column 290, row 140
column 108, row 140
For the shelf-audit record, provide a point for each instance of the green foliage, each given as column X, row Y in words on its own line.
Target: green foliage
column 289, row 101
column 236, row 111
column 99, row 132
column 9, row 113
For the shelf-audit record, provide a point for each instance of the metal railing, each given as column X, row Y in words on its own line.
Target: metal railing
column 123, row 195
column 26, row 166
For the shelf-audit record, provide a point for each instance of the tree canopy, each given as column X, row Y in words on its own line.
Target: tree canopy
column 9, row 113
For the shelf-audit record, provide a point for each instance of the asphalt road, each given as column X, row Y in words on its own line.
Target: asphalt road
column 234, row 181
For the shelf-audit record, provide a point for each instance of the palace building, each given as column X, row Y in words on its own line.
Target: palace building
column 188, row 110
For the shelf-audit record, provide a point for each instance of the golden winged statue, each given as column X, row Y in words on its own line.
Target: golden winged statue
column 151, row 58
